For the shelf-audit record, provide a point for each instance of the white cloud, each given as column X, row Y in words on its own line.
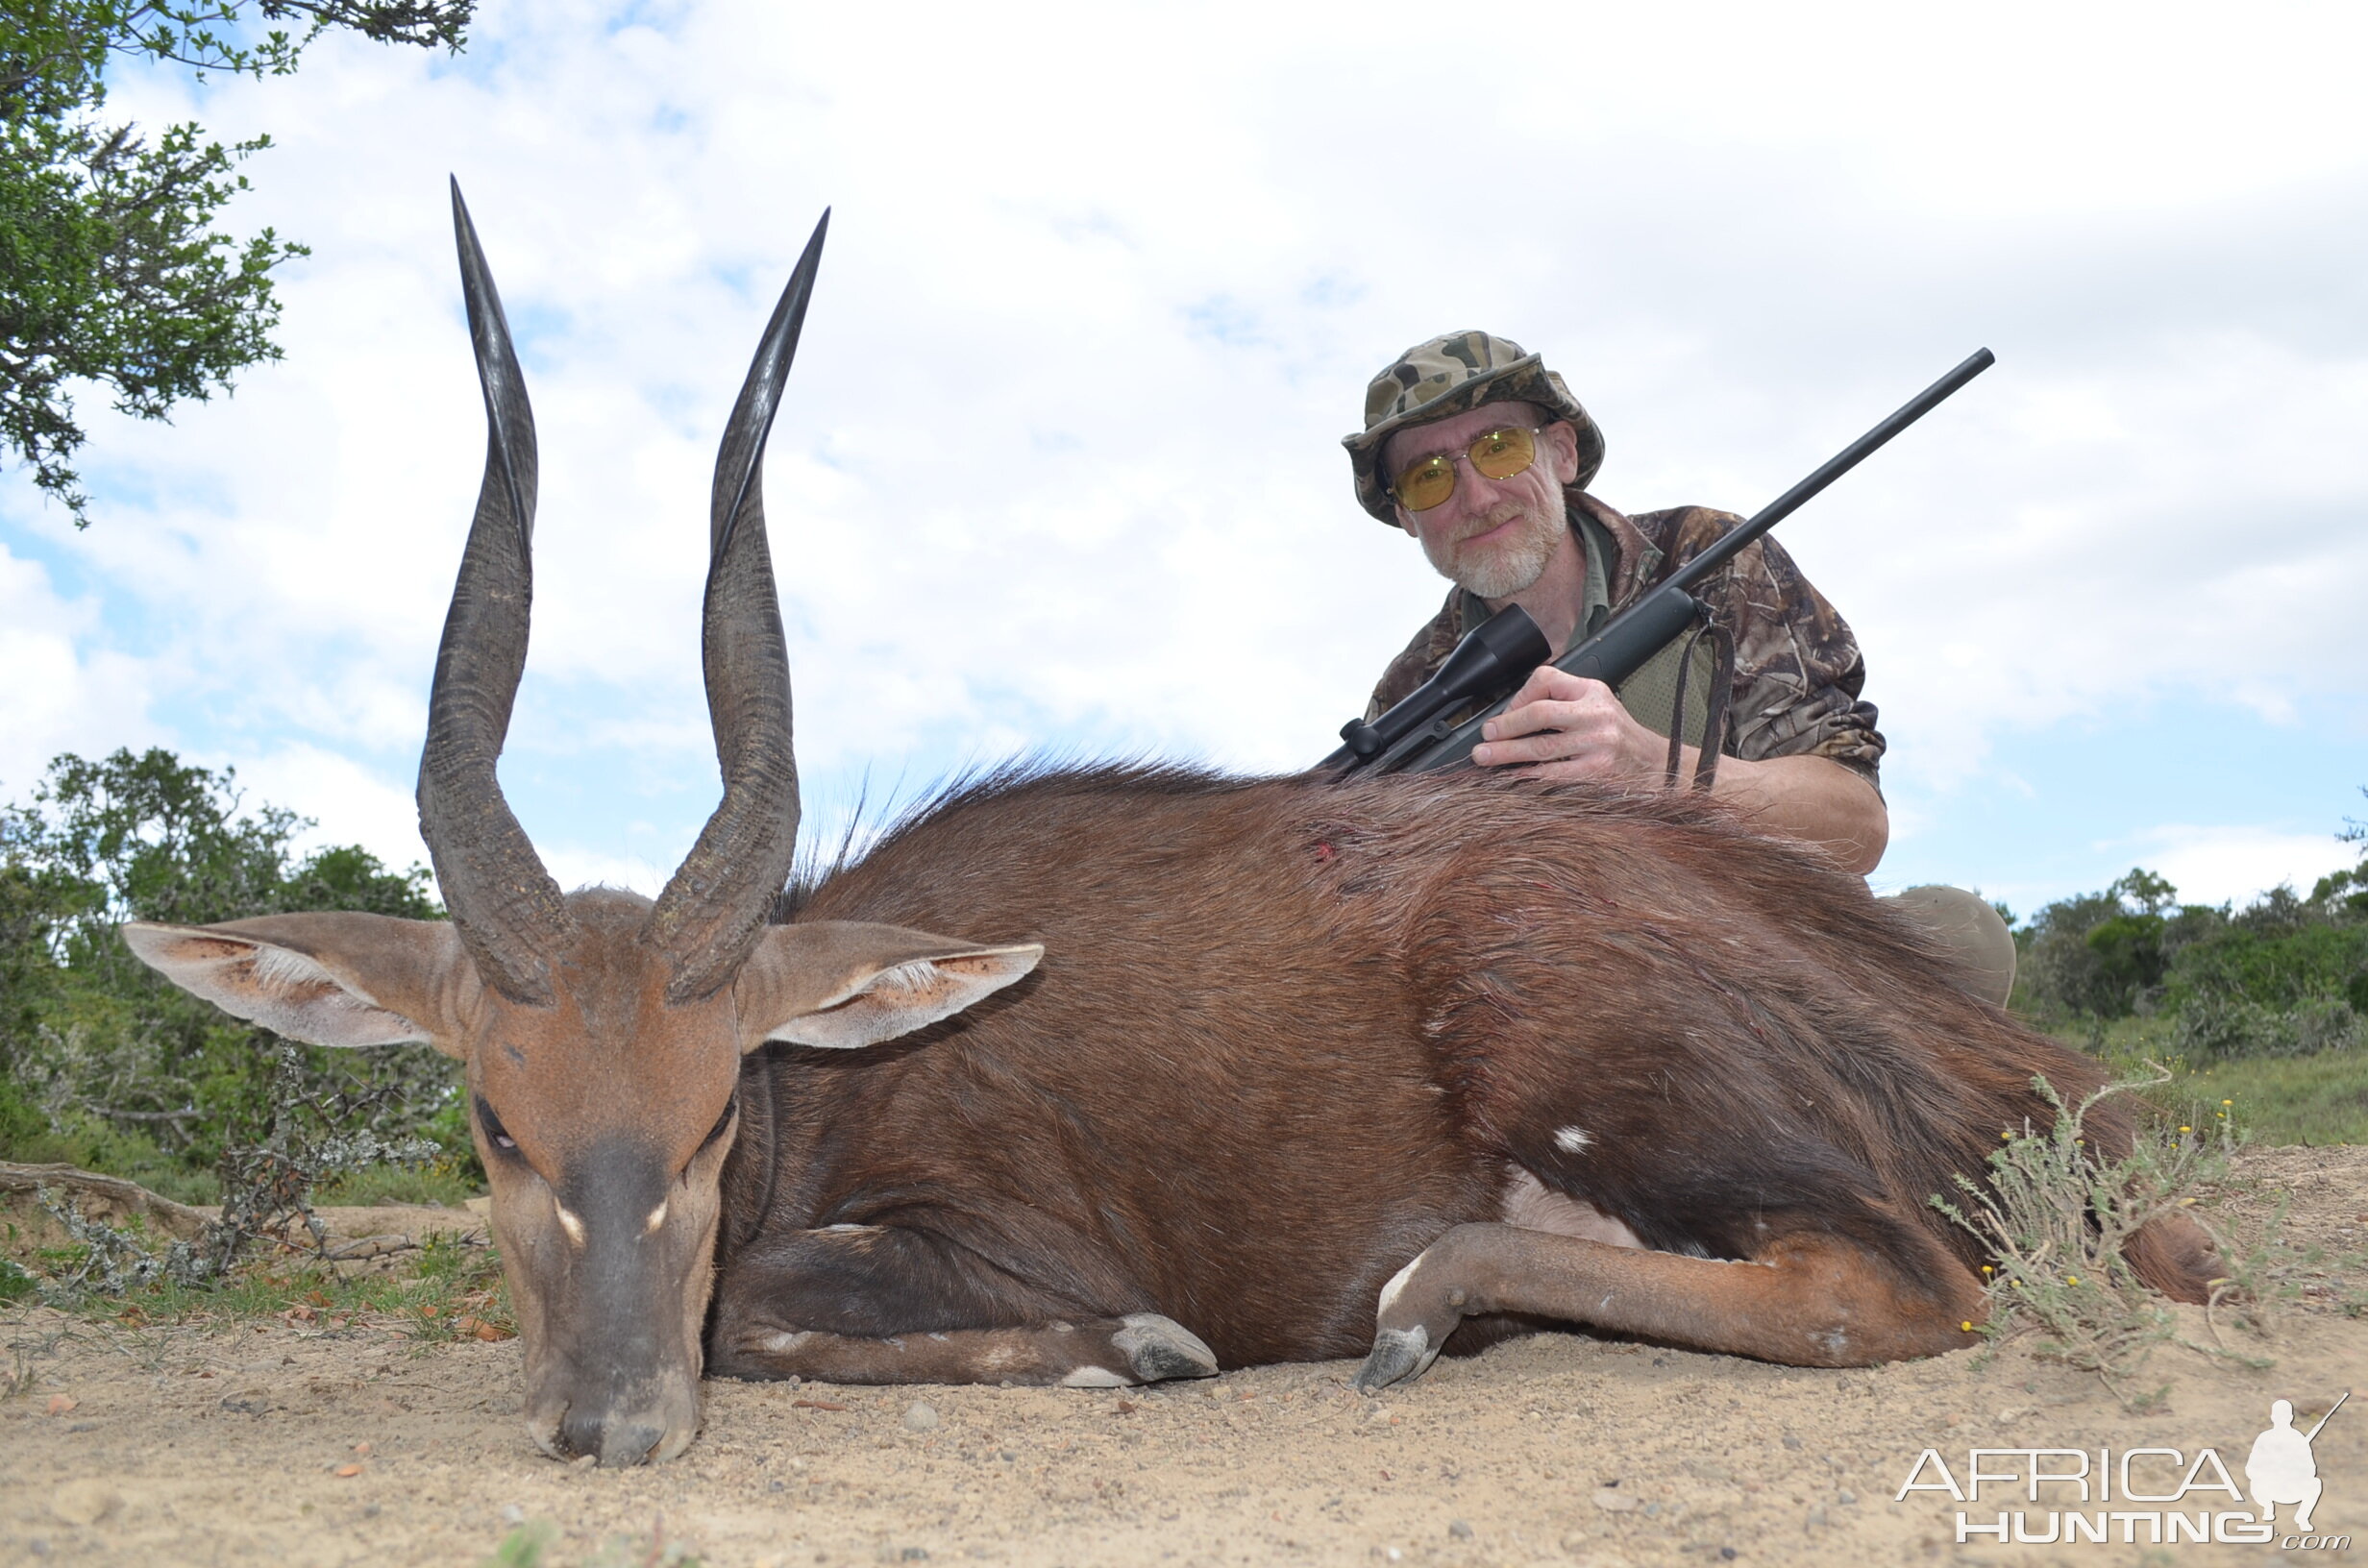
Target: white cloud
column 2224, row 863
column 57, row 691
column 1058, row 462
column 347, row 802
column 574, row 868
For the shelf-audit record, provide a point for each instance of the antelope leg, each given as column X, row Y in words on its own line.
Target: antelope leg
column 883, row 1303
column 1806, row 1300
column 1098, row 1352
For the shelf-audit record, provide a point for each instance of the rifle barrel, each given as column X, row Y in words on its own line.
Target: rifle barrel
column 1834, row 468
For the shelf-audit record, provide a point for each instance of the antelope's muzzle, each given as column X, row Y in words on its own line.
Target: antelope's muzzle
column 619, row 1280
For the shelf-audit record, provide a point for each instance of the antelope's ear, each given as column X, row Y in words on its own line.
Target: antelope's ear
column 329, row 979
column 844, row 983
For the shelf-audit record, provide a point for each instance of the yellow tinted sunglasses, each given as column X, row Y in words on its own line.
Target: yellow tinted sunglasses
column 1497, row 455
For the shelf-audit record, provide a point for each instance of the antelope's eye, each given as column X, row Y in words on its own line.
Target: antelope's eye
column 732, row 1108
column 496, row 1134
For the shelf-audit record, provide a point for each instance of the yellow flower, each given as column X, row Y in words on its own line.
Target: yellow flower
column 1967, row 1325
column 2186, row 1129
column 2071, row 1279
column 1985, row 1268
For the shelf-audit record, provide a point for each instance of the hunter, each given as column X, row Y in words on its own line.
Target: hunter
column 1481, row 453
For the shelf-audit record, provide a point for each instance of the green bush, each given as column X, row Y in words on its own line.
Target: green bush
column 2284, row 976
column 2105, row 955
column 2218, row 1028
column 103, row 1063
column 2277, row 966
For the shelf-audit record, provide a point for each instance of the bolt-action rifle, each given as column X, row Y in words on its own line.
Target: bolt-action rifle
column 1496, row 656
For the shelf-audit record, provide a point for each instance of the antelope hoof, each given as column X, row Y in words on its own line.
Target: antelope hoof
column 1397, row 1353
column 1158, row 1348
column 1419, row 1309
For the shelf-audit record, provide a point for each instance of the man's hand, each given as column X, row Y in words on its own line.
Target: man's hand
column 1565, row 726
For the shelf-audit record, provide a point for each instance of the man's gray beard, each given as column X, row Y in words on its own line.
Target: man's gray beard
column 1510, row 567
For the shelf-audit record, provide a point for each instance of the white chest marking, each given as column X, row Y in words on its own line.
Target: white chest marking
column 1529, row 1205
column 1571, row 1139
column 569, row 1223
column 658, row 1217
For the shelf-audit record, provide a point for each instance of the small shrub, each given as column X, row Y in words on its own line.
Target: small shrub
column 450, row 1287
column 2214, row 1029
column 2055, row 1218
column 116, row 1259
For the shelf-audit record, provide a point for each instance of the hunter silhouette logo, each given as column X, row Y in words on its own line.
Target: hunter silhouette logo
column 2280, row 1469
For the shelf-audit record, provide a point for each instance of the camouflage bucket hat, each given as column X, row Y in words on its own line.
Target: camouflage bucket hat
column 1448, row 375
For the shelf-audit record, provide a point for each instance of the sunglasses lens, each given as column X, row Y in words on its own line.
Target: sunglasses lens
column 1500, row 454
column 1427, row 485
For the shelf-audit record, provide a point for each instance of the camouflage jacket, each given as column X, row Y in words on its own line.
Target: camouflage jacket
column 1797, row 670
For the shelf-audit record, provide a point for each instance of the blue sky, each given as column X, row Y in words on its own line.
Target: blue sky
column 1058, row 469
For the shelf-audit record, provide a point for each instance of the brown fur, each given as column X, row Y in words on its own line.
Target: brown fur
column 1289, row 1032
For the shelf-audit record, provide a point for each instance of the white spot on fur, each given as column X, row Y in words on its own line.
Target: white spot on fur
column 1571, row 1139
column 1398, row 1283
column 1093, row 1377
column 658, row 1217
column 569, row 1223
column 828, row 1228
column 784, row 1343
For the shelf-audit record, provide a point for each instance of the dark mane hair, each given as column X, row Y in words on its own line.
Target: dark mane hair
column 1037, row 775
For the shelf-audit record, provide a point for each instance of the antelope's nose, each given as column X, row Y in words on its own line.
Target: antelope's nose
column 615, row 1440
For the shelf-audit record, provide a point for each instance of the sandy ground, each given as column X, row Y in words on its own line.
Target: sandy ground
column 226, row 1445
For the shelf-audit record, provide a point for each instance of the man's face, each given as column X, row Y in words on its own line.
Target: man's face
column 1492, row 537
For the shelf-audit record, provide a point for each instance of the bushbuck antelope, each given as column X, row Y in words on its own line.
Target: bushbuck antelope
column 1207, row 1068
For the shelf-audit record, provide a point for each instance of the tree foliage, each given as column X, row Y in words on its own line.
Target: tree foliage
column 112, row 268
column 103, row 1062
column 2285, row 975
